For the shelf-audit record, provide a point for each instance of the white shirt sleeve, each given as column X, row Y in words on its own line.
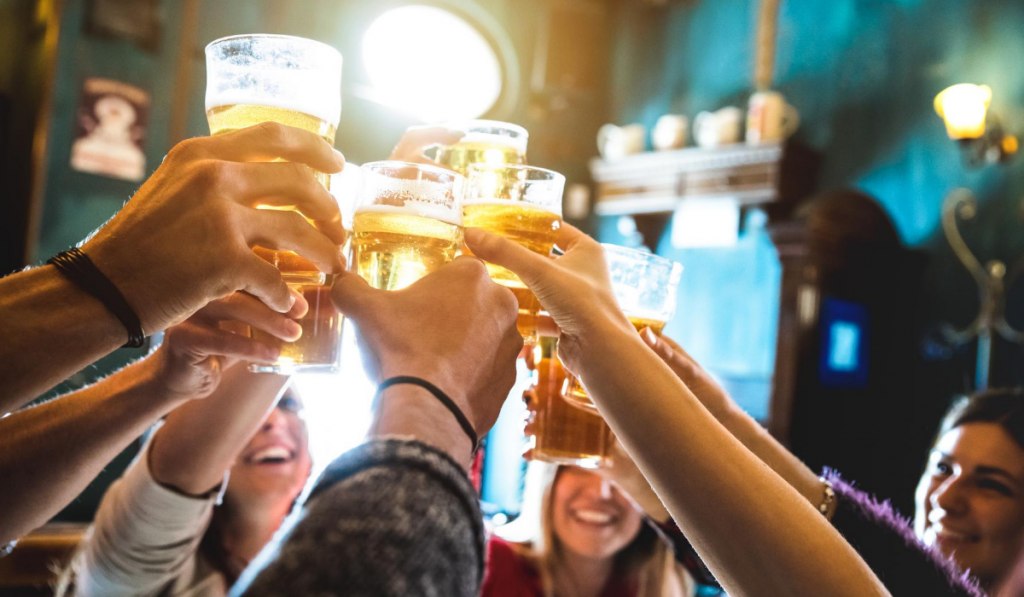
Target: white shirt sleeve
column 145, row 537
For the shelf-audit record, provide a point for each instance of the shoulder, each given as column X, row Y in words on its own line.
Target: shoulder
column 509, row 572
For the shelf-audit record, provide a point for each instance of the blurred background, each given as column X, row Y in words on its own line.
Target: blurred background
column 820, row 285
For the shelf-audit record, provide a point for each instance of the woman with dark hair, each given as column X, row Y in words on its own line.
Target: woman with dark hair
column 970, row 500
column 205, row 495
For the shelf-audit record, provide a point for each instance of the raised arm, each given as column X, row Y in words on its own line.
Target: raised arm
column 183, row 240
column 49, row 453
column 398, row 515
column 740, row 424
column 756, row 533
column 201, row 440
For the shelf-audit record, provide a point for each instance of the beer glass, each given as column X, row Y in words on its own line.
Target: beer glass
column 277, row 78
column 524, row 205
column 486, row 142
column 645, row 287
column 407, row 222
column 563, row 433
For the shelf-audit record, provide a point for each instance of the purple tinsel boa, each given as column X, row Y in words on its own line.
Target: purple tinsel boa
column 886, row 541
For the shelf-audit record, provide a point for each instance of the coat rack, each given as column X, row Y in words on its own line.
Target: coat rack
column 993, row 279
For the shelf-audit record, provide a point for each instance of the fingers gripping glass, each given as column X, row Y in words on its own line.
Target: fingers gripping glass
column 524, row 205
column 297, row 82
column 645, row 286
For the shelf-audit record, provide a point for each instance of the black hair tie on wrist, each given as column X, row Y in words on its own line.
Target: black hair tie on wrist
column 441, row 397
column 77, row 267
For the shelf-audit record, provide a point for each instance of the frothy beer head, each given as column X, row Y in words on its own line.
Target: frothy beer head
column 407, row 222
column 493, row 132
column 278, row 71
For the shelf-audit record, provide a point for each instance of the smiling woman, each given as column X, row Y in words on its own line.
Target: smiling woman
column 431, row 64
column 580, row 535
column 169, row 525
column 970, row 500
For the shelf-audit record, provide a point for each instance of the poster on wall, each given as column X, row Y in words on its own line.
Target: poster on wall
column 110, row 128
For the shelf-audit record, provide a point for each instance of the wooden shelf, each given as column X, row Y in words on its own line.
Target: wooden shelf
column 657, row 182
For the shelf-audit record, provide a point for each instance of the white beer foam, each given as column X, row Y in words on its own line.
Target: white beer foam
column 516, row 143
column 557, row 210
column 329, row 111
column 421, row 209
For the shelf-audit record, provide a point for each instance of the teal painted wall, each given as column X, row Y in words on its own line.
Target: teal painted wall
column 863, row 75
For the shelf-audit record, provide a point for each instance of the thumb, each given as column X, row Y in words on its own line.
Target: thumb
column 658, row 345
column 350, row 293
column 531, row 268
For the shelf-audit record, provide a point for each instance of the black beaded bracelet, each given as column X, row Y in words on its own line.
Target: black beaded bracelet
column 77, row 267
column 443, row 398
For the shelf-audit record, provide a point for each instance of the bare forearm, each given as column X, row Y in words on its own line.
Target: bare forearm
column 751, row 527
column 757, row 439
column 50, row 329
column 201, row 440
column 49, row 453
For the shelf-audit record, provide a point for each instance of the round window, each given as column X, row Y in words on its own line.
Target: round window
column 431, row 64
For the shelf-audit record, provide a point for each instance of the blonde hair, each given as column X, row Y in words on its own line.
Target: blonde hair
column 532, row 535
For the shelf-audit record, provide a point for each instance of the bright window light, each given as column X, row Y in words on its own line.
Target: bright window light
column 431, row 64
column 337, row 407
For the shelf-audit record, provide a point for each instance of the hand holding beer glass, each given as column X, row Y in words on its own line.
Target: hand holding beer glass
column 407, row 222
column 524, row 205
column 253, row 79
column 645, row 287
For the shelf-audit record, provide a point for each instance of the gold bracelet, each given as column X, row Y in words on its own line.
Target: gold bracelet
column 829, row 498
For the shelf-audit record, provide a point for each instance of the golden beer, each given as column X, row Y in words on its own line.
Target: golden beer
column 530, row 226
column 253, row 79
column 485, row 142
column 233, row 117
column 574, row 390
column 320, row 327
column 524, row 205
column 462, row 155
column 563, row 434
column 392, row 248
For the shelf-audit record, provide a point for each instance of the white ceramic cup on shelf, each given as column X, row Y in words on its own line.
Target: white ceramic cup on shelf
column 615, row 142
column 722, row 127
column 670, row 132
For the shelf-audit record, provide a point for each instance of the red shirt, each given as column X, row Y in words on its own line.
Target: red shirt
column 509, row 574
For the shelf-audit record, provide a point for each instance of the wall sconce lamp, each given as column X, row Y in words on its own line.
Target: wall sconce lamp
column 964, row 108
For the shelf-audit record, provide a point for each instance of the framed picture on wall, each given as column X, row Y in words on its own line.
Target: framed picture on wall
column 110, row 130
column 138, row 21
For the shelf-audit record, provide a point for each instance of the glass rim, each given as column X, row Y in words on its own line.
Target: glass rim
column 486, row 167
column 465, row 125
column 675, row 267
column 418, row 165
column 292, row 38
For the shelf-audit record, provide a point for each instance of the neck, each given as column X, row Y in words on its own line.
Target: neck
column 582, row 576
column 247, row 528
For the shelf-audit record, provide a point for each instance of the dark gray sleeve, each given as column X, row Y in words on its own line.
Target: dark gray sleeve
column 389, row 518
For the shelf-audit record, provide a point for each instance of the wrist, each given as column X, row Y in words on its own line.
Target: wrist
column 599, row 339
column 411, row 411
column 125, row 279
column 156, row 373
column 108, row 327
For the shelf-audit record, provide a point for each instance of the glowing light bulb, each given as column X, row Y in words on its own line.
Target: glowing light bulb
column 963, row 108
